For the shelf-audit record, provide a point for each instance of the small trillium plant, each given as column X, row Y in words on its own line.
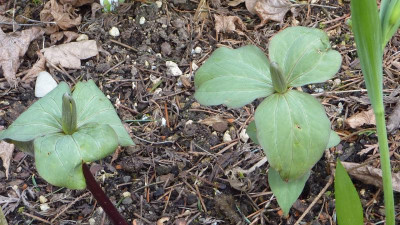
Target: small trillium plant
column 290, row 125
column 64, row 131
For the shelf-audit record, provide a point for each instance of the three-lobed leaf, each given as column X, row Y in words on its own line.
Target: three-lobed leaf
column 59, row 156
column 348, row 205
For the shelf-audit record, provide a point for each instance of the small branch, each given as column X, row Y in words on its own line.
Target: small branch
column 102, row 198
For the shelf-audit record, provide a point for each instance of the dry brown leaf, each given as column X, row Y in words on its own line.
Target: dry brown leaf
column 76, row 3
column 69, row 55
column 216, row 122
column 269, row 9
column 359, row 119
column 6, row 151
column 370, row 175
column 70, row 36
column 63, row 15
column 235, row 2
column 12, row 47
column 38, row 67
column 228, row 24
column 6, row 22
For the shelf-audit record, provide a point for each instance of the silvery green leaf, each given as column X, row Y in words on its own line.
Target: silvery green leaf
column 294, row 131
column 286, row 192
column 305, row 55
column 233, row 77
column 93, row 107
column 59, row 157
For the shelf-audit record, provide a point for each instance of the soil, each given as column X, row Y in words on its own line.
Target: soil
column 179, row 170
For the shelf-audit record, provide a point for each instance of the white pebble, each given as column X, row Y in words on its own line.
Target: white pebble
column 163, row 122
column 159, row 4
column 114, row 32
column 126, row 194
column 44, row 207
column 244, row 136
column 92, row 221
column 142, row 20
column 44, row 84
column 227, row 137
column 42, row 199
column 82, row 37
column 198, row 50
column 173, row 69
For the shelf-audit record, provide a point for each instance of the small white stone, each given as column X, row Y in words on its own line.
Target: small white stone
column 173, row 69
column 154, row 79
column 227, row 137
column 337, row 82
column 44, row 84
column 114, row 32
column 157, row 91
column 198, row 50
column 244, row 136
column 194, row 66
column 44, row 207
column 146, row 63
column 42, row 199
column 188, row 122
column 92, row 221
column 163, row 122
column 126, row 194
column 82, row 37
column 159, row 4
column 158, row 55
column 142, row 20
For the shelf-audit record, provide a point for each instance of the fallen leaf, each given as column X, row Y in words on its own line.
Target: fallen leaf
column 6, row 22
column 12, row 47
column 235, row 2
column 70, row 36
column 76, row 3
column 215, row 122
column 228, row 24
column 6, row 151
column 370, row 175
column 268, row 10
column 63, row 15
column 361, row 118
column 202, row 11
column 69, row 55
column 33, row 72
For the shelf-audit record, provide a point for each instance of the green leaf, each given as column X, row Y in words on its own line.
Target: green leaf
column 252, row 132
column 59, row 157
column 391, row 20
column 42, row 118
column 334, row 139
column 233, row 77
column 348, row 205
column 93, row 107
column 305, row 55
column 294, row 131
column 286, row 193
column 368, row 37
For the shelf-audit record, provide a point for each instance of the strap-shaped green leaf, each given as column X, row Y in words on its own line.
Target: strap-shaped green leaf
column 93, row 107
column 233, row 77
column 59, row 157
column 305, row 55
column 42, row 118
column 348, row 205
column 293, row 130
column 286, row 192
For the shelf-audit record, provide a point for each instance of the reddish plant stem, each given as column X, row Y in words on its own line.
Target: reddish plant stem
column 102, row 198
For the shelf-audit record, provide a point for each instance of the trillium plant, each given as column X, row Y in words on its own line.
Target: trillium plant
column 290, row 125
column 64, row 131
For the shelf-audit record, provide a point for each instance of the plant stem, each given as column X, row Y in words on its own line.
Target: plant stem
column 102, row 198
column 69, row 117
column 385, row 165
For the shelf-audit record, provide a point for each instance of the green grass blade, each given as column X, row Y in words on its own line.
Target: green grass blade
column 368, row 36
column 348, row 205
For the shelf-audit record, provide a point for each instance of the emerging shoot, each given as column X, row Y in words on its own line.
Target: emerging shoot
column 278, row 80
column 69, row 117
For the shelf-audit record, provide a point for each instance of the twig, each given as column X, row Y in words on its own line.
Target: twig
column 124, row 45
column 115, row 66
column 151, row 142
column 36, row 218
column 142, row 218
column 200, row 198
column 69, row 206
column 330, row 181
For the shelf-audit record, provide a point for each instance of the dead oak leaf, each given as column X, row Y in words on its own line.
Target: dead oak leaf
column 76, row 3
column 235, row 2
column 6, row 151
column 69, row 55
column 12, row 47
column 361, row 118
column 38, row 67
column 63, row 15
column 268, row 10
column 228, row 24
column 370, row 175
